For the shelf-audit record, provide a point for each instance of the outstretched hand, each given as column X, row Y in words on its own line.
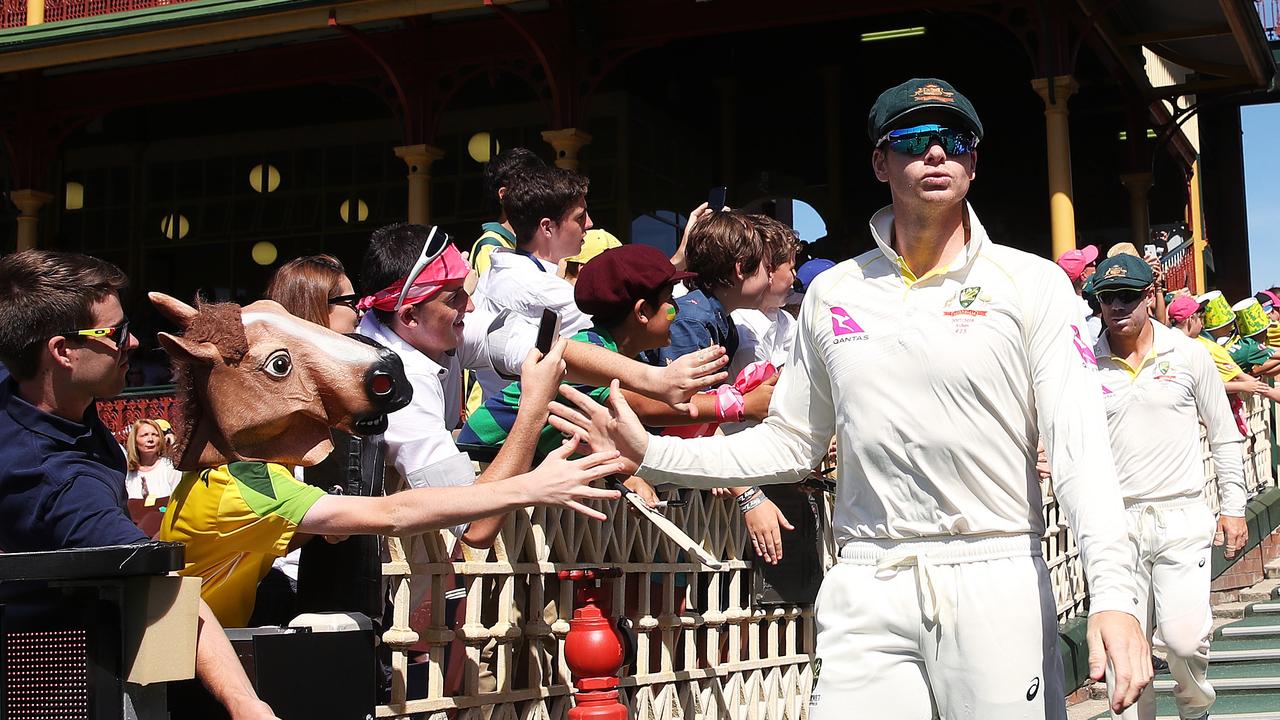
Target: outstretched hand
column 560, row 481
column 690, row 374
column 604, row 429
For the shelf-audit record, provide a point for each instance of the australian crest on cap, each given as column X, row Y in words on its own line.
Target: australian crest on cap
column 1116, row 271
column 932, row 92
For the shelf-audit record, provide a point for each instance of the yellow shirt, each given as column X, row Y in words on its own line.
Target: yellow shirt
column 1273, row 335
column 1227, row 368
column 235, row 520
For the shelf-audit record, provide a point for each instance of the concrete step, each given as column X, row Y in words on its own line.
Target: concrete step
column 1230, row 611
column 1262, row 592
column 1256, row 626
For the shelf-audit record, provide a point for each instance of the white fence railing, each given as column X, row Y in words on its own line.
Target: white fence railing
column 702, row 650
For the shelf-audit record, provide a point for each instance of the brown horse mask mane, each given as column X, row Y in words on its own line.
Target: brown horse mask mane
column 258, row 384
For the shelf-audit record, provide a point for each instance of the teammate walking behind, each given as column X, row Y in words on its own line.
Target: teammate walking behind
column 1158, row 385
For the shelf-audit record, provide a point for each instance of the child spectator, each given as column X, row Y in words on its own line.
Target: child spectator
column 628, row 292
column 765, row 332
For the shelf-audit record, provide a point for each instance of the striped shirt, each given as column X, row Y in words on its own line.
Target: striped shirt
column 492, row 422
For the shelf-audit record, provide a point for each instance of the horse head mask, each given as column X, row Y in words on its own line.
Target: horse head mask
column 256, row 383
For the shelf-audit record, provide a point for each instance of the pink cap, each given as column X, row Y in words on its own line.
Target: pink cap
column 1275, row 301
column 1073, row 262
column 1182, row 308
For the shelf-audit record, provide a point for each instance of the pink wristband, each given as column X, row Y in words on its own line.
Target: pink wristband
column 730, row 406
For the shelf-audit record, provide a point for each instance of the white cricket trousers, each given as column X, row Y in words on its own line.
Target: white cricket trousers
column 962, row 629
column 1172, row 541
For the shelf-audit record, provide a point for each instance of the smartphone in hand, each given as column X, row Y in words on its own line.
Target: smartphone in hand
column 717, row 198
column 548, row 330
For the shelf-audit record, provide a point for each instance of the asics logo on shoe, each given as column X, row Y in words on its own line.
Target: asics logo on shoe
column 843, row 324
column 1034, row 689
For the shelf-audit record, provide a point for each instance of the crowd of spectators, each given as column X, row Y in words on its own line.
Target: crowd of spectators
column 694, row 342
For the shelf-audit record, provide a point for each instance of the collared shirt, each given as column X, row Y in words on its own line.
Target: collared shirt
column 761, row 338
column 419, row 437
column 701, row 321
column 1246, row 352
column 1227, row 368
column 493, row 236
column 524, row 285
column 939, row 388
column 491, row 423
column 1154, row 413
column 61, row 481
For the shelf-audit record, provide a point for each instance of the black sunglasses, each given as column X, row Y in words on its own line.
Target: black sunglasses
column 347, row 300
column 1124, row 297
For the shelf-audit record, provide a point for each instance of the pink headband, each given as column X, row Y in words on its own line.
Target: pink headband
column 449, row 267
column 1275, row 301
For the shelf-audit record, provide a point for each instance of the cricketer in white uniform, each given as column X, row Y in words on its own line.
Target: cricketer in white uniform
column 1158, row 385
column 939, row 358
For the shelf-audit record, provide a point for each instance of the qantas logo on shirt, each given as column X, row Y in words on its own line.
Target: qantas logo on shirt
column 844, row 327
column 843, row 324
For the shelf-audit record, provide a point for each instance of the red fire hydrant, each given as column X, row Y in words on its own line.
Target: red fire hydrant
column 593, row 647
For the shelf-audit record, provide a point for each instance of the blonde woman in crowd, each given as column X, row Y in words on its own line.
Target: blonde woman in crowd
column 152, row 476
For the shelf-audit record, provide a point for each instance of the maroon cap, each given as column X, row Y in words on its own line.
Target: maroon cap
column 610, row 285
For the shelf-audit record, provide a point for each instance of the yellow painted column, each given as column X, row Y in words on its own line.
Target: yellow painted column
column 29, row 203
column 1139, row 186
column 567, row 142
column 1196, row 222
column 35, row 12
column 419, row 159
column 1062, row 215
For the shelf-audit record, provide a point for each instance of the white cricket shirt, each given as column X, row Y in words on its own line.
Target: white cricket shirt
column 939, row 388
column 1154, row 413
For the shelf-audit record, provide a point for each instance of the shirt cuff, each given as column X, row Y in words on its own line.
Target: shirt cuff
column 1117, row 600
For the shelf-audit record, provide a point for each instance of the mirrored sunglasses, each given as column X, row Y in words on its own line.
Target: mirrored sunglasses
column 917, row 140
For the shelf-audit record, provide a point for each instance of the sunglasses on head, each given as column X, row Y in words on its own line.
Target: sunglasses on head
column 118, row 333
column 917, row 140
column 1124, row 297
column 437, row 241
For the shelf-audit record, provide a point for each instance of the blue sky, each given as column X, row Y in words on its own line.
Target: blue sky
column 1262, row 191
